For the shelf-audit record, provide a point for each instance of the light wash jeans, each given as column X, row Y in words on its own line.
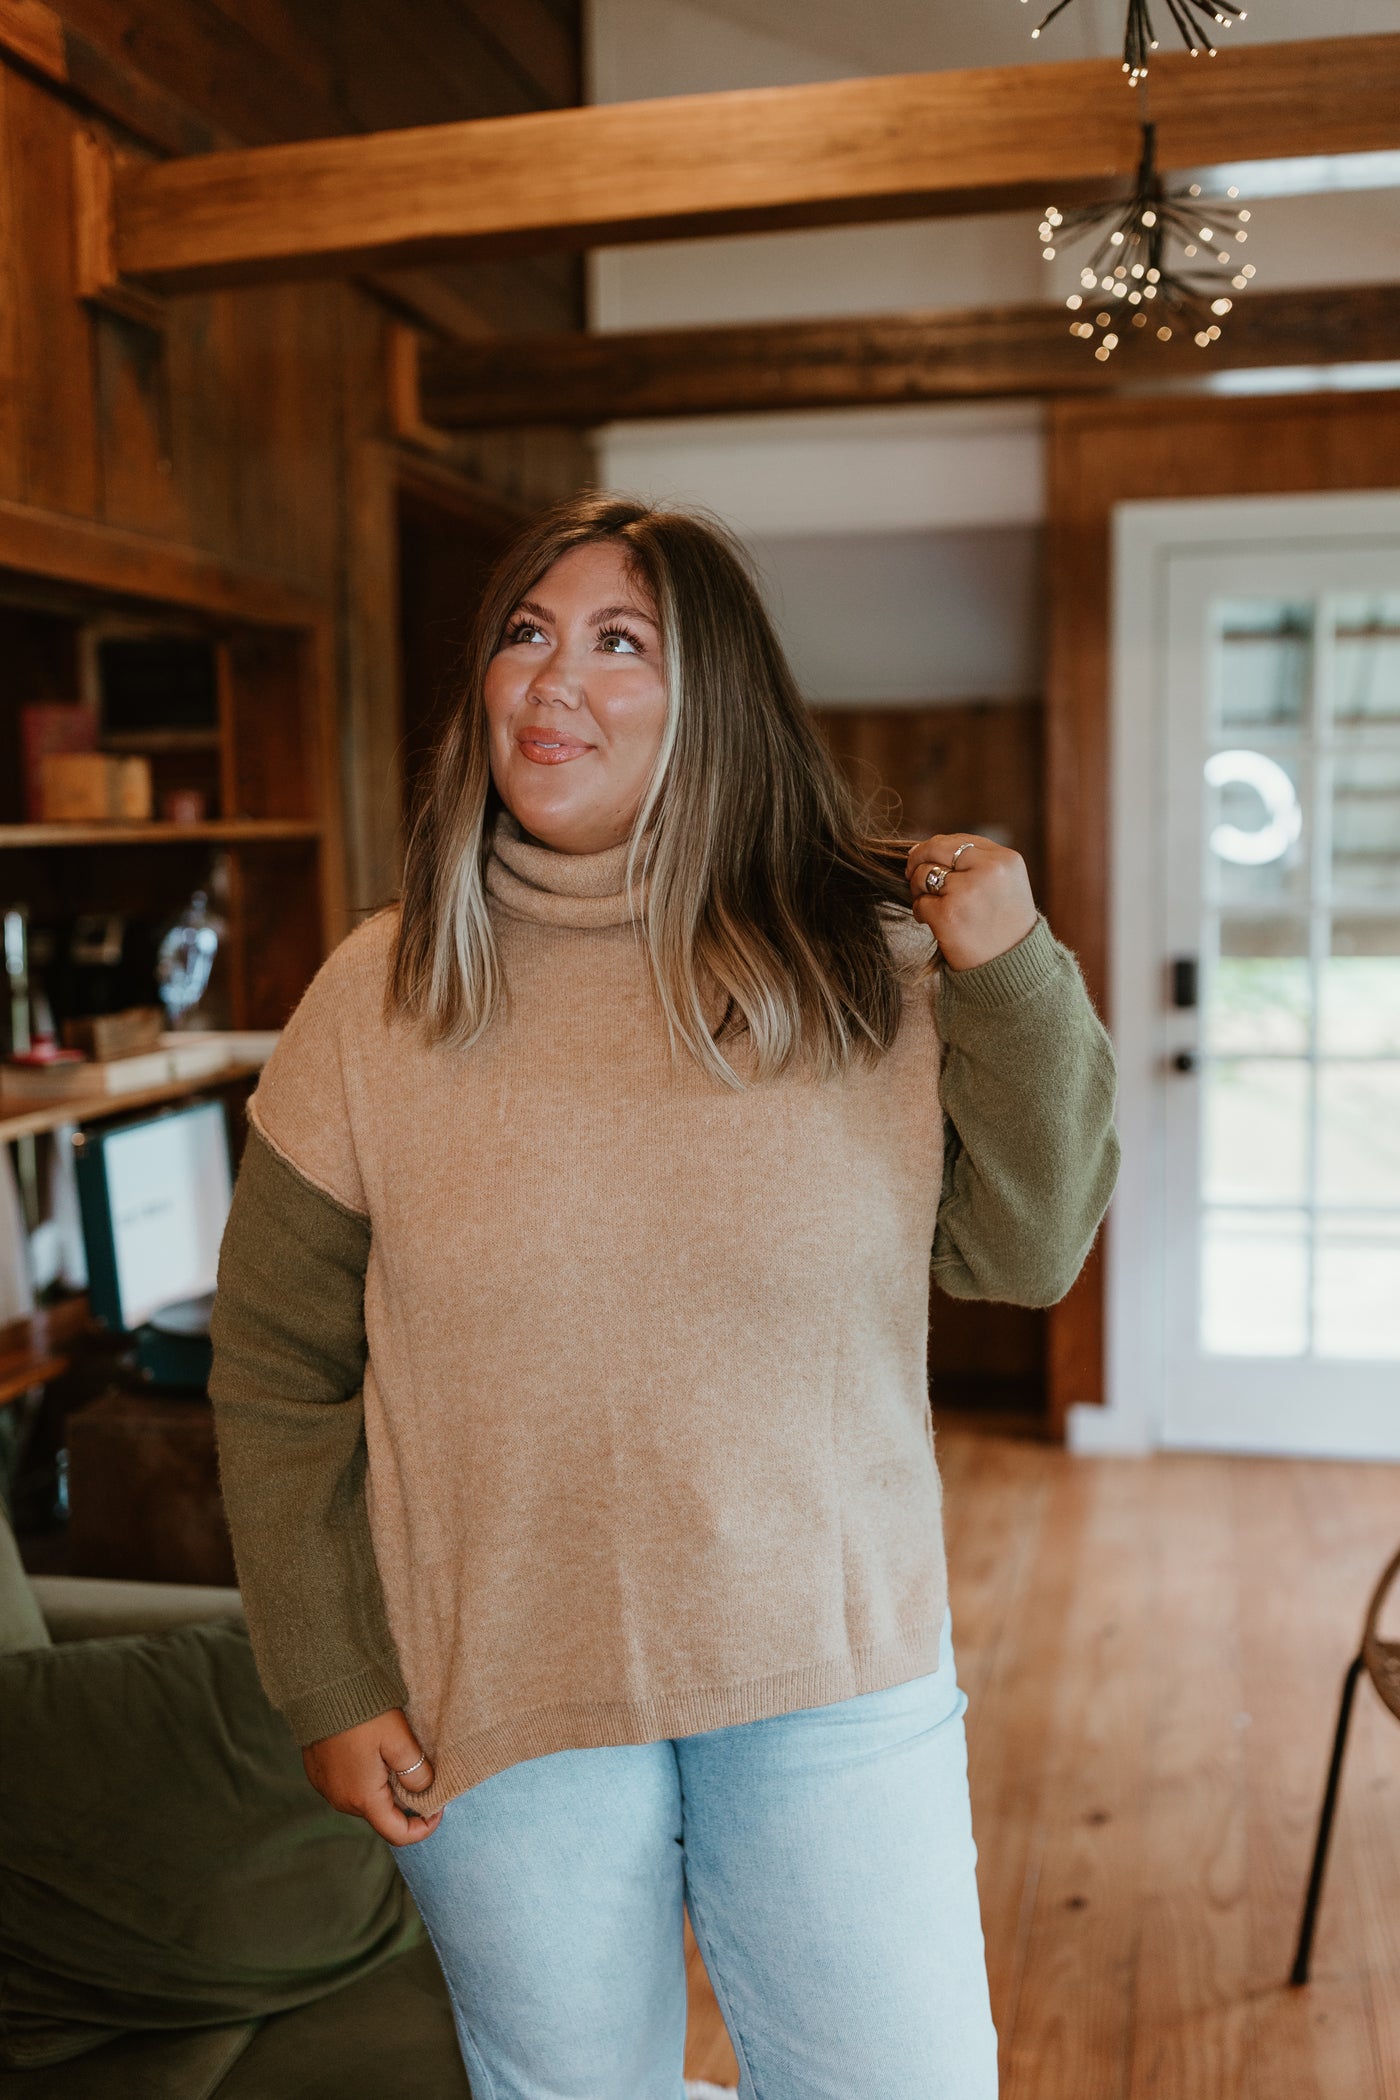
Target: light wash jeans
column 826, row 1859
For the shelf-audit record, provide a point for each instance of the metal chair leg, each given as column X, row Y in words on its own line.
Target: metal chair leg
column 1324, row 1826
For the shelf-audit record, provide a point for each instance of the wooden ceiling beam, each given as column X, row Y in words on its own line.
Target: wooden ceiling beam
column 839, row 152
column 878, row 361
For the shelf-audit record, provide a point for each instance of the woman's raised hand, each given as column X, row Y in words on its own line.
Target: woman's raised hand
column 981, row 902
column 351, row 1770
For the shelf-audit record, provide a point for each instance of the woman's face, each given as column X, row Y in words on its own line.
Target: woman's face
column 576, row 702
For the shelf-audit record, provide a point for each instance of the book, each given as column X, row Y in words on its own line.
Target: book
column 198, row 1055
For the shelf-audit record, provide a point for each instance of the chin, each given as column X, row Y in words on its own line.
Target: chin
column 569, row 822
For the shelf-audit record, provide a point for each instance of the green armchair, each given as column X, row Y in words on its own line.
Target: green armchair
column 388, row 2032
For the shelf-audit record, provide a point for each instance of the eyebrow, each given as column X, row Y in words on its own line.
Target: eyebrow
column 604, row 612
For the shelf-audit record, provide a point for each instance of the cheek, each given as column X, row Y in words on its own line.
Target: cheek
column 635, row 720
column 500, row 696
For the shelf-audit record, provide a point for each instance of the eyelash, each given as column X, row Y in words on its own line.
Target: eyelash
column 625, row 634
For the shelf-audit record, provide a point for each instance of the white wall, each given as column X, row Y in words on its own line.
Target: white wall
column 909, row 617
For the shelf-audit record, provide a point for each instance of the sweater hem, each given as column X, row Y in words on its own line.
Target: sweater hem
column 1007, row 978
column 608, row 1724
column 362, row 1696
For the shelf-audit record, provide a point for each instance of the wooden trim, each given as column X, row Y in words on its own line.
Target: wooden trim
column 247, row 831
column 30, row 1119
column 95, row 271
column 880, row 360
column 1102, row 454
column 403, row 347
column 79, row 553
column 840, row 152
column 33, row 33
column 437, row 480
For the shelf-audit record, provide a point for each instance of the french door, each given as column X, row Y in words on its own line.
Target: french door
column 1271, row 980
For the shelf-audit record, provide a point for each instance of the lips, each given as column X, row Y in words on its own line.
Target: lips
column 544, row 748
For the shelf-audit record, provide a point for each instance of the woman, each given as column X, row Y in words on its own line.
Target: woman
column 570, row 1345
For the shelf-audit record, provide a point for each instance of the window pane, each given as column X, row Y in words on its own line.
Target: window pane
column 1254, row 1283
column 1263, row 663
column 1366, row 823
column 1358, row 1133
column 1361, row 988
column 1358, row 1287
column 1256, row 834
column 1256, row 994
column 1255, row 1131
column 1366, row 660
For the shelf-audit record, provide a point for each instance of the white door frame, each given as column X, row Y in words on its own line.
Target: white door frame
column 1145, row 538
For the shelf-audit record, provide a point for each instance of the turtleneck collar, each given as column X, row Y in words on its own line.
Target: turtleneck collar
column 557, row 889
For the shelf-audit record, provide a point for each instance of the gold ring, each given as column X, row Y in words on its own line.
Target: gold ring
column 966, row 847
column 936, row 877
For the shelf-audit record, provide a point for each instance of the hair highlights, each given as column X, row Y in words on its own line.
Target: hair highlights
column 761, row 905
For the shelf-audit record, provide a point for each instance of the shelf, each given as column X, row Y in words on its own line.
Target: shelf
column 35, row 1349
column 30, row 1118
column 249, row 831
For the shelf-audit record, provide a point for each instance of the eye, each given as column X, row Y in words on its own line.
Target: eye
column 617, row 641
column 524, row 631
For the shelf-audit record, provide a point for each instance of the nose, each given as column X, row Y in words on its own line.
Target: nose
column 557, row 683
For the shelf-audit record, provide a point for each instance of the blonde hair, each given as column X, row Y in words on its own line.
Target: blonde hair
column 759, row 900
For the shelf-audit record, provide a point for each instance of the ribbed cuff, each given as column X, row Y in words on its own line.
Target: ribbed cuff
column 344, row 1704
column 1006, row 978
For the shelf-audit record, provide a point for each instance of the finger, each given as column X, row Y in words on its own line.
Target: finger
column 942, row 846
column 394, row 1825
column 403, row 1756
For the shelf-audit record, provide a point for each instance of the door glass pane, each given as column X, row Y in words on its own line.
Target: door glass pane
column 1361, row 988
column 1357, row 1302
column 1255, row 1130
column 1366, row 643
column 1254, row 1283
column 1256, row 833
column 1299, row 1199
column 1366, row 823
column 1257, row 994
column 1263, row 664
column 1358, row 1133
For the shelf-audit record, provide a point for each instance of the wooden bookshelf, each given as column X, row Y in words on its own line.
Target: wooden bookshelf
column 32, row 1118
column 268, row 851
column 244, row 830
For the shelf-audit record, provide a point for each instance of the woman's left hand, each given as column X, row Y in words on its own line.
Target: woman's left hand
column 985, row 905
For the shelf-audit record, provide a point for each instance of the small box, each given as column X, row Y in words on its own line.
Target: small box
column 104, row 1036
column 95, row 787
column 48, row 727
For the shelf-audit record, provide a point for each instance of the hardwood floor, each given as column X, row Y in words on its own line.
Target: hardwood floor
column 1152, row 1651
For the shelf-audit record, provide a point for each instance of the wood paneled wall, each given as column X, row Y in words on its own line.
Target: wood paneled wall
column 253, row 426
column 1150, row 450
column 972, row 765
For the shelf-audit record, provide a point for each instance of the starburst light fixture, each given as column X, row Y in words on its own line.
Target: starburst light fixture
column 1197, row 20
column 1127, row 281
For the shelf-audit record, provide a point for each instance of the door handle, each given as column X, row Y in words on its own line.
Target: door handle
column 1184, row 1061
column 1185, row 981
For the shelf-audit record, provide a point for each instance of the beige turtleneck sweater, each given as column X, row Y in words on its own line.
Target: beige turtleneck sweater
column 568, row 1397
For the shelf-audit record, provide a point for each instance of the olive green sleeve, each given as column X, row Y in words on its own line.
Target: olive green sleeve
column 288, row 1330
column 1028, row 1088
